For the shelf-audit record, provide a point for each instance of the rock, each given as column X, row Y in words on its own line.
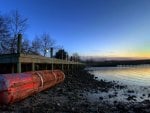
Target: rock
column 95, row 91
column 131, row 98
column 81, row 95
column 119, row 86
column 73, row 109
column 58, row 104
column 100, row 98
column 115, row 92
column 115, row 102
column 110, row 96
column 141, row 97
column 130, row 91
column 96, row 77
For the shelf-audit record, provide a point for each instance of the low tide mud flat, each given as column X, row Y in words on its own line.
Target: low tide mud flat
column 81, row 92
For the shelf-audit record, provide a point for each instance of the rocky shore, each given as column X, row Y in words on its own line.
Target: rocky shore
column 81, row 92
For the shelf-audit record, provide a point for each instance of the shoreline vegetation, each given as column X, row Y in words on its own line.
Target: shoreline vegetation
column 114, row 63
column 73, row 96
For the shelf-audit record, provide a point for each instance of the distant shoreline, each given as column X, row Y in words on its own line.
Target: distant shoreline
column 114, row 63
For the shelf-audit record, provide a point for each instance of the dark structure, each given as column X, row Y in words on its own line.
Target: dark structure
column 17, row 63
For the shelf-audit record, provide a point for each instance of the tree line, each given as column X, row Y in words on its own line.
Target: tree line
column 13, row 24
column 114, row 63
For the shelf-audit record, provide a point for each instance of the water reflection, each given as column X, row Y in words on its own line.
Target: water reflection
column 133, row 75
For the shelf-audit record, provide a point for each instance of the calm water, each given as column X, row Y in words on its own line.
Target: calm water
column 132, row 75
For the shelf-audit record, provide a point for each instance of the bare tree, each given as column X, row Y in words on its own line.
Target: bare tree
column 26, row 47
column 18, row 25
column 75, row 57
column 36, row 45
column 46, row 43
column 4, row 35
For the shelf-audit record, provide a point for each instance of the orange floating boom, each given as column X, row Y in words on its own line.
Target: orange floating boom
column 15, row 87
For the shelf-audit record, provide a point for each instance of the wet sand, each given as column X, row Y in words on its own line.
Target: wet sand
column 81, row 92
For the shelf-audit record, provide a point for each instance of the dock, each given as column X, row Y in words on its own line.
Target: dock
column 17, row 63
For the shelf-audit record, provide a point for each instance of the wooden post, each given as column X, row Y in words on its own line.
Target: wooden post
column 68, row 66
column 13, row 68
column 19, row 67
column 52, row 64
column 62, row 66
column 19, row 51
column 46, row 66
column 33, row 67
column 51, row 52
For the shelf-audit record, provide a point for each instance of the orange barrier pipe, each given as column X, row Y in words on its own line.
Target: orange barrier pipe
column 15, row 87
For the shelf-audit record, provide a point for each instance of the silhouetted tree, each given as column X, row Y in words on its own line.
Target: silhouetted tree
column 75, row 57
column 17, row 25
column 26, row 48
column 61, row 54
column 10, row 27
column 46, row 43
column 4, row 35
column 89, row 61
column 36, row 46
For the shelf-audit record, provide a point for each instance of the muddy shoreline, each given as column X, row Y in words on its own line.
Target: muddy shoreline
column 72, row 96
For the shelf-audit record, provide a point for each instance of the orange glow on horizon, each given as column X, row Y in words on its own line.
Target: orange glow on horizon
column 127, row 55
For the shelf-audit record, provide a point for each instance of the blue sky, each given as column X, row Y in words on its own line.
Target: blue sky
column 107, row 28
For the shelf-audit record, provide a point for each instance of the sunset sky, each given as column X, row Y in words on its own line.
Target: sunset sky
column 105, row 28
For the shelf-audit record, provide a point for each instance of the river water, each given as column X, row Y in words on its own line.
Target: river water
column 136, row 78
column 130, row 75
